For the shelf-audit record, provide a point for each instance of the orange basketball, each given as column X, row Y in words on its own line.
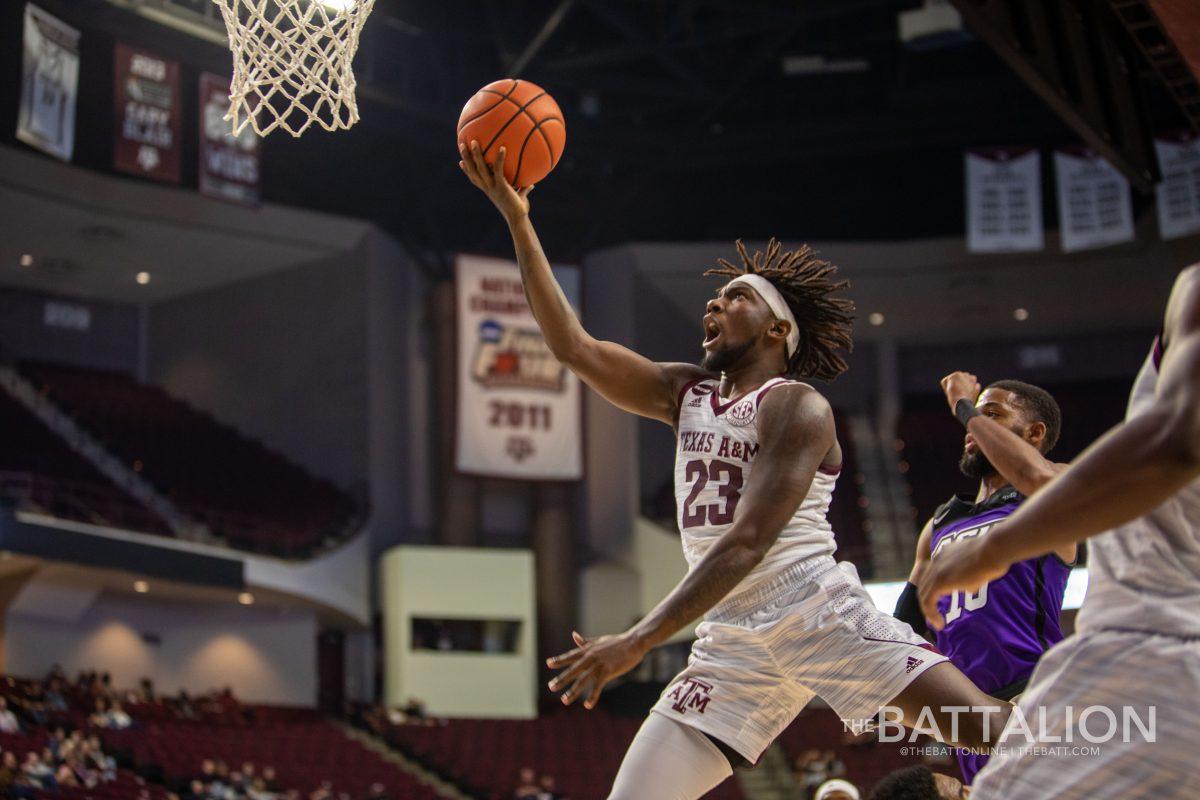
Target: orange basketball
column 523, row 119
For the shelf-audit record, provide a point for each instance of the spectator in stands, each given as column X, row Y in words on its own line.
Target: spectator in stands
column 377, row 792
column 549, row 789
column 527, row 788
column 837, row 789
column 9, row 770
column 8, row 721
column 55, row 700
column 196, row 790
column 269, row 779
column 36, row 773
column 918, row 783
column 118, row 719
column 834, row 767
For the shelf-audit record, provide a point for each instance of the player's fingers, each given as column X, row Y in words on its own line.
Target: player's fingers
column 567, row 675
column 526, row 191
column 929, row 597
column 481, row 167
column 577, row 688
column 579, row 638
column 563, row 659
column 498, row 166
column 594, row 695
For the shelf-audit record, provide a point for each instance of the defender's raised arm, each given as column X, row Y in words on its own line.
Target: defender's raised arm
column 626, row 379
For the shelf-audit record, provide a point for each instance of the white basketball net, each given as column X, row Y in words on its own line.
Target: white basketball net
column 292, row 63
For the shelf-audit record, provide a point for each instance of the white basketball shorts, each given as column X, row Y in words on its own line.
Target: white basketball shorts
column 812, row 631
column 1136, row 677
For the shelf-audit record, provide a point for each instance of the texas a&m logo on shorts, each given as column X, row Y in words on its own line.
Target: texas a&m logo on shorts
column 690, row 694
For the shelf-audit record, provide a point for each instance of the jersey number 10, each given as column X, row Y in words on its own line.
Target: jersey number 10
column 971, row 601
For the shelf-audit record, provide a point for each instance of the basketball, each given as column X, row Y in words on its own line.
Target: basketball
column 522, row 118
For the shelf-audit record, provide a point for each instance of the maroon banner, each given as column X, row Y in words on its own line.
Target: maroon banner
column 147, row 113
column 228, row 163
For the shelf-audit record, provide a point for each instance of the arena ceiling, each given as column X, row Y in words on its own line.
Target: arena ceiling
column 687, row 120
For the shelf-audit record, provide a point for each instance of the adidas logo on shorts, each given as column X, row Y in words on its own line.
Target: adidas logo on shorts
column 913, row 663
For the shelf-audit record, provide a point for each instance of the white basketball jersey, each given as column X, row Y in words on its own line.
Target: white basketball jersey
column 1145, row 574
column 714, row 457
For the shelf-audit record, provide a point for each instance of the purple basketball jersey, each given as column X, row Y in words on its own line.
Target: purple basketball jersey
column 996, row 635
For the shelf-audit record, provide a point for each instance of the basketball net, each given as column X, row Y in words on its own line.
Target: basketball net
column 292, row 63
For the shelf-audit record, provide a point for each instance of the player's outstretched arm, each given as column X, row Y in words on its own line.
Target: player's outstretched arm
column 1127, row 473
column 795, row 426
column 624, row 378
column 1017, row 461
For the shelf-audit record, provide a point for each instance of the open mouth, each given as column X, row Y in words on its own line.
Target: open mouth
column 711, row 334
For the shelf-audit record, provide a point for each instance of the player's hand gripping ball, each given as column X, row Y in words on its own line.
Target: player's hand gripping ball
column 523, row 119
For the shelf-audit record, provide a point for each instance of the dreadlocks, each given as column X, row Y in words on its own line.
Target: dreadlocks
column 806, row 283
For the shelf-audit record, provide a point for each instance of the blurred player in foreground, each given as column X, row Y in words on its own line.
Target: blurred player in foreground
column 1136, row 494
column 756, row 463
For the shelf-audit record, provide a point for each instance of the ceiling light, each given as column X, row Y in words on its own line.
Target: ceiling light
column 246, row 599
column 875, row 318
column 1020, row 314
column 141, row 587
column 26, row 260
column 143, row 278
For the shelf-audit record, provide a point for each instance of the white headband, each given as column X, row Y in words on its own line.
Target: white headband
column 836, row 785
column 779, row 307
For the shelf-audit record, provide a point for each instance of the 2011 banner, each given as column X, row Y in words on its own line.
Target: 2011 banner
column 519, row 409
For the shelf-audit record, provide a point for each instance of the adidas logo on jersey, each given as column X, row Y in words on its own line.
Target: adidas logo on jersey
column 913, row 663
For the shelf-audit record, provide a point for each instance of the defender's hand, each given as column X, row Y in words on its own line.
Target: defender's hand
column 960, row 386
column 959, row 567
column 592, row 664
column 512, row 204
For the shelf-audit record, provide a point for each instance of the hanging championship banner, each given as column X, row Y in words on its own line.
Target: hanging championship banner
column 147, row 113
column 519, row 411
column 49, row 83
column 1004, row 200
column 1094, row 208
column 228, row 163
column 1179, row 192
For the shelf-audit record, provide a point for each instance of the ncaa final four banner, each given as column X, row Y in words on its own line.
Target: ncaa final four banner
column 1004, row 200
column 49, row 83
column 147, row 115
column 519, row 410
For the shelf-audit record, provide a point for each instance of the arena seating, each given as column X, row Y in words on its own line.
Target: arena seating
column 483, row 756
column 39, row 471
column 252, row 497
column 304, row 754
column 304, row 748
column 820, row 729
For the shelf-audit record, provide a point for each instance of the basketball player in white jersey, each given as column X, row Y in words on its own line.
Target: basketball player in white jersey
column 1135, row 494
column 756, row 463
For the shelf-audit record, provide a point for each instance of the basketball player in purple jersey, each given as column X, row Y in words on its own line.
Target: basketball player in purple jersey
column 756, row 462
column 997, row 635
column 1135, row 496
